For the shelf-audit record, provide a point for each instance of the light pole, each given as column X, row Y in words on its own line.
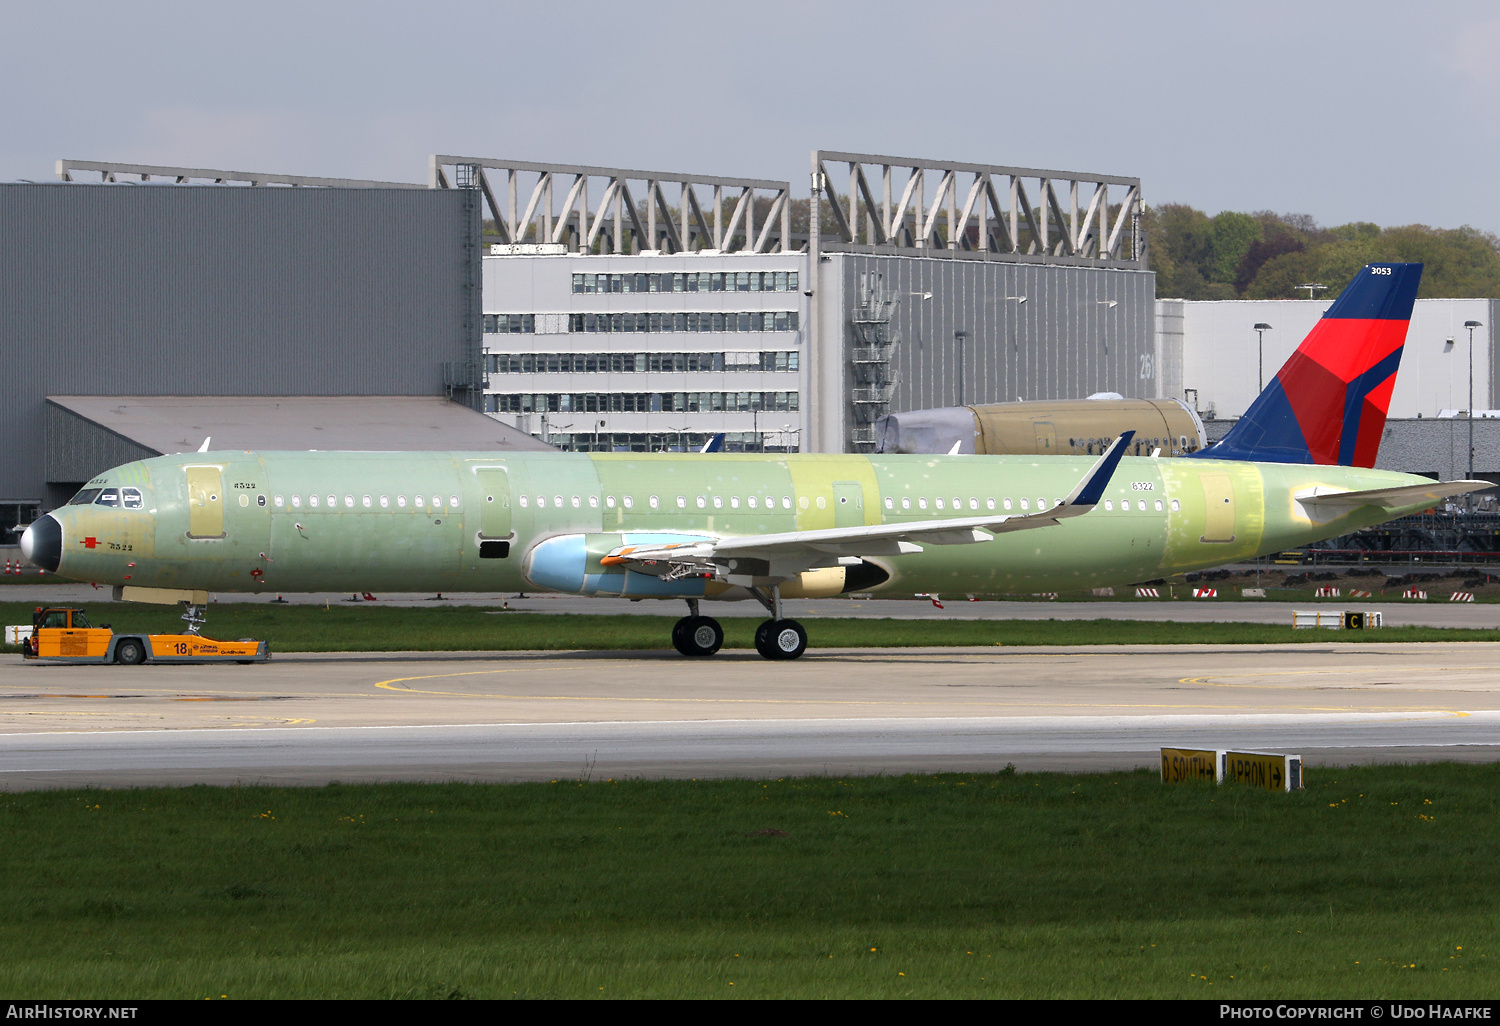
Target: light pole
column 959, row 337
column 1471, row 325
column 1312, row 288
column 1010, row 326
column 1260, row 334
column 1108, row 304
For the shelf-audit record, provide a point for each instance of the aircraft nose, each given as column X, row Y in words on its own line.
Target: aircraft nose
column 41, row 543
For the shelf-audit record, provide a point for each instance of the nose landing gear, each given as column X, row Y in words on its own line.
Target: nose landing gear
column 195, row 615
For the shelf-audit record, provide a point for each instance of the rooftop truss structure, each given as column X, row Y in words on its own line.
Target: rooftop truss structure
column 979, row 211
column 636, row 211
column 112, row 171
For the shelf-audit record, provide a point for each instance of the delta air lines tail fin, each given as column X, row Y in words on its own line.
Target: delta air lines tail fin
column 1327, row 405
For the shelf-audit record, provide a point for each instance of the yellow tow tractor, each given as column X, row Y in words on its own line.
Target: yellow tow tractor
column 62, row 634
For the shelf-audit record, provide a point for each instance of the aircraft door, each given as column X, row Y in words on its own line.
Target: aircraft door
column 1218, row 505
column 205, row 501
column 494, row 502
column 848, row 504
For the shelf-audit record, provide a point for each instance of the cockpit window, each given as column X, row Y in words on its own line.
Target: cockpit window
column 85, row 497
column 130, row 498
column 108, row 497
column 55, row 618
column 80, row 621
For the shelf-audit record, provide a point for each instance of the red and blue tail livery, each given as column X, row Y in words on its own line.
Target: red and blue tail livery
column 1327, row 405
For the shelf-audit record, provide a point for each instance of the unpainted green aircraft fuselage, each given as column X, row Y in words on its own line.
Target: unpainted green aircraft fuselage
column 449, row 521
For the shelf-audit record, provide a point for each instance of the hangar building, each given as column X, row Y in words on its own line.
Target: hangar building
column 305, row 287
column 673, row 307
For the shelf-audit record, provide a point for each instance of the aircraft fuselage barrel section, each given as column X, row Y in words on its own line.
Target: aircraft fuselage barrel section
column 446, row 521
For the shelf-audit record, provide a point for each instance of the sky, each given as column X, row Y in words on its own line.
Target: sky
column 1377, row 111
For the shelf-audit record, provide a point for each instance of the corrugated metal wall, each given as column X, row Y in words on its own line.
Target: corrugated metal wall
column 1064, row 342
column 77, row 449
column 217, row 290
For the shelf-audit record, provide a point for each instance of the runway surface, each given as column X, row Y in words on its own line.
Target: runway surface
column 309, row 719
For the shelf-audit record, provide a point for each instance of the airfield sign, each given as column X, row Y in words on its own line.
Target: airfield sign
column 1264, row 769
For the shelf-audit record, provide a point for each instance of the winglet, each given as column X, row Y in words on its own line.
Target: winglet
column 206, row 440
column 1091, row 489
column 714, row 444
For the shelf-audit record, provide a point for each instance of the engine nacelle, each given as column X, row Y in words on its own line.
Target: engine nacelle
column 569, row 563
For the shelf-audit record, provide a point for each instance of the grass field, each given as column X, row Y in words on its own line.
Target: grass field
column 1375, row 882
column 373, row 628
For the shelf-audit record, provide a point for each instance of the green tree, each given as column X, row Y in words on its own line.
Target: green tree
column 1265, row 255
column 1230, row 237
column 1280, row 276
column 1461, row 263
column 1179, row 244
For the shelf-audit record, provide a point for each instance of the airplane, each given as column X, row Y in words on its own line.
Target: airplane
column 767, row 527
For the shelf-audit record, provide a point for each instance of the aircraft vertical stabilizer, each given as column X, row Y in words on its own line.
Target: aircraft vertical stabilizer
column 1328, row 403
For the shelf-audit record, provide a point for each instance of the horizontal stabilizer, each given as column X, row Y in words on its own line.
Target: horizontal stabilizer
column 1389, row 498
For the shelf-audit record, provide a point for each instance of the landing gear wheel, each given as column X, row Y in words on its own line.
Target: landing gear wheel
column 763, row 639
column 679, row 635
column 697, row 636
column 130, row 652
column 781, row 639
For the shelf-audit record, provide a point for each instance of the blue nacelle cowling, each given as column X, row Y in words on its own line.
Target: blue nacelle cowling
column 570, row 563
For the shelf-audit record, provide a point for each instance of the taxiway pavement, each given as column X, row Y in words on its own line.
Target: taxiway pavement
column 309, row 719
column 1183, row 609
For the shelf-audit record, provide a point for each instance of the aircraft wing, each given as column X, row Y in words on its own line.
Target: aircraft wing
column 1338, row 502
column 788, row 553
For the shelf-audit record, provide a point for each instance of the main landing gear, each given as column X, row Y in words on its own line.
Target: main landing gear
column 776, row 638
column 696, row 635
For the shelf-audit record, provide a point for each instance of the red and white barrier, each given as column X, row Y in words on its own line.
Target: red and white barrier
column 1461, row 596
column 1413, row 593
column 1147, row 593
column 1205, row 593
column 1356, row 593
column 1326, row 592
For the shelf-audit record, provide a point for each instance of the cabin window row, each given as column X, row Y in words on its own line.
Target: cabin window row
column 639, row 363
column 332, row 501
column 755, row 502
column 746, row 320
column 957, row 503
column 690, row 281
column 640, row 402
column 769, row 502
